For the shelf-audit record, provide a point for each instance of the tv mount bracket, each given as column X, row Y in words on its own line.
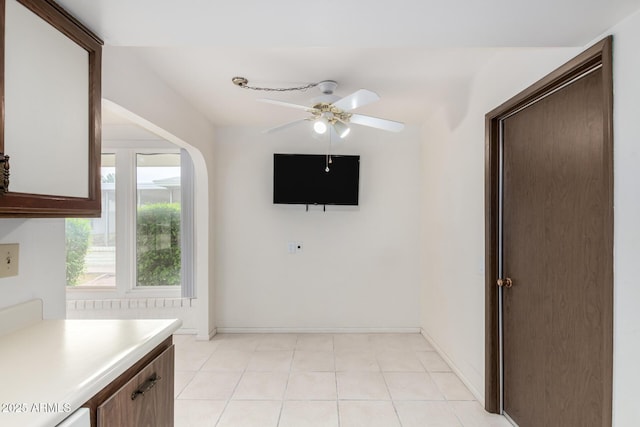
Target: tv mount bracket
column 324, row 208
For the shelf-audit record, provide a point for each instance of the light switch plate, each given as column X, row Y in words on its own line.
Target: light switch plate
column 9, row 259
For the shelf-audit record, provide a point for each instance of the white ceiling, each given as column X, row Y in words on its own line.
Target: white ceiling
column 418, row 55
column 357, row 23
column 411, row 82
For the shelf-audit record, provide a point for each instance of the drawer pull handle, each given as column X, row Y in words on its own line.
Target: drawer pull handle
column 146, row 386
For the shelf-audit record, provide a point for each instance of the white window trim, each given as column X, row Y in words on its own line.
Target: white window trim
column 126, row 201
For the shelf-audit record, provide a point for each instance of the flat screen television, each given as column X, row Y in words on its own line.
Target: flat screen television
column 303, row 179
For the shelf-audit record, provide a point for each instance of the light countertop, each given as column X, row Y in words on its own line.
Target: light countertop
column 50, row 368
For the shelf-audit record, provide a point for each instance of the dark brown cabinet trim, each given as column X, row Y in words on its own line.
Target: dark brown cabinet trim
column 35, row 205
column 119, row 382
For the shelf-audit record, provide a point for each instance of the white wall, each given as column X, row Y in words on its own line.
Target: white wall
column 41, row 264
column 452, row 236
column 452, row 302
column 626, row 157
column 359, row 268
column 128, row 83
column 149, row 102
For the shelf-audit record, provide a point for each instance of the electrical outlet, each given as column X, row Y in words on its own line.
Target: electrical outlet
column 294, row 247
column 9, row 259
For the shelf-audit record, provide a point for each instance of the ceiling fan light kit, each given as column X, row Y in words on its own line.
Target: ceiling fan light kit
column 328, row 111
column 342, row 129
column 320, row 127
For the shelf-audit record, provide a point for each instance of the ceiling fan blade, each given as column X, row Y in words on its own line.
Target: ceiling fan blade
column 287, row 104
column 375, row 122
column 285, row 126
column 356, row 99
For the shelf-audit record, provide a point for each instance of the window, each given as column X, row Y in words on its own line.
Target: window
column 158, row 219
column 91, row 243
column 136, row 246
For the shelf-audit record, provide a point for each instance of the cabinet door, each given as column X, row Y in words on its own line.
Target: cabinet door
column 50, row 71
column 146, row 400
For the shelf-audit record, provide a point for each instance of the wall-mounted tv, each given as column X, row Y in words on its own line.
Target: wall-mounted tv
column 304, row 179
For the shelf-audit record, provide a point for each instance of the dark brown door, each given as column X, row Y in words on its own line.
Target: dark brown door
column 556, row 204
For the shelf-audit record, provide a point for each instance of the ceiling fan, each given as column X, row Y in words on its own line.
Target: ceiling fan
column 333, row 113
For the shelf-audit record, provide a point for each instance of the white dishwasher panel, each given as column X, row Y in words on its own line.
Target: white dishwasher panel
column 80, row 418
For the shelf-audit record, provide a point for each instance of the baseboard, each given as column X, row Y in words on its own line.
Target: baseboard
column 185, row 331
column 232, row 330
column 479, row 396
column 207, row 337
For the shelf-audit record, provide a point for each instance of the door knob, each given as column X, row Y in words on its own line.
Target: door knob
column 507, row 282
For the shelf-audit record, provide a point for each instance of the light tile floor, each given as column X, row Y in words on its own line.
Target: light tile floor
column 320, row 380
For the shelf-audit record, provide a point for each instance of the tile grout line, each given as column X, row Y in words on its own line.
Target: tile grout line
column 234, row 390
column 335, row 371
column 446, row 400
column 378, row 353
column 286, row 387
column 393, row 403
column 184, row 343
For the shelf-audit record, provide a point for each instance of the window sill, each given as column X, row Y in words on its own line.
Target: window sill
column 96, row 293
column 126, row 304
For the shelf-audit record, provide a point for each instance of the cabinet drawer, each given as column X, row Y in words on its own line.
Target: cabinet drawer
column 145, row 400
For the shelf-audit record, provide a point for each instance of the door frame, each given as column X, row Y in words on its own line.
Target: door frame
column 600, row 54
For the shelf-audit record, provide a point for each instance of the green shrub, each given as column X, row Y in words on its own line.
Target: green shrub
column 78, row 235
column 158, row 245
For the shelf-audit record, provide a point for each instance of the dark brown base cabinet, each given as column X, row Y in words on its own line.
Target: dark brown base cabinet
column 140, row 397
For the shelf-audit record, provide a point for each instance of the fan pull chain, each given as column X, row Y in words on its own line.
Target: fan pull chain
column 244, row 84
column 328, row 160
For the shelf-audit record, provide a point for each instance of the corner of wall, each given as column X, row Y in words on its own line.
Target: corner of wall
column 41, row 271
column 129, row 83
